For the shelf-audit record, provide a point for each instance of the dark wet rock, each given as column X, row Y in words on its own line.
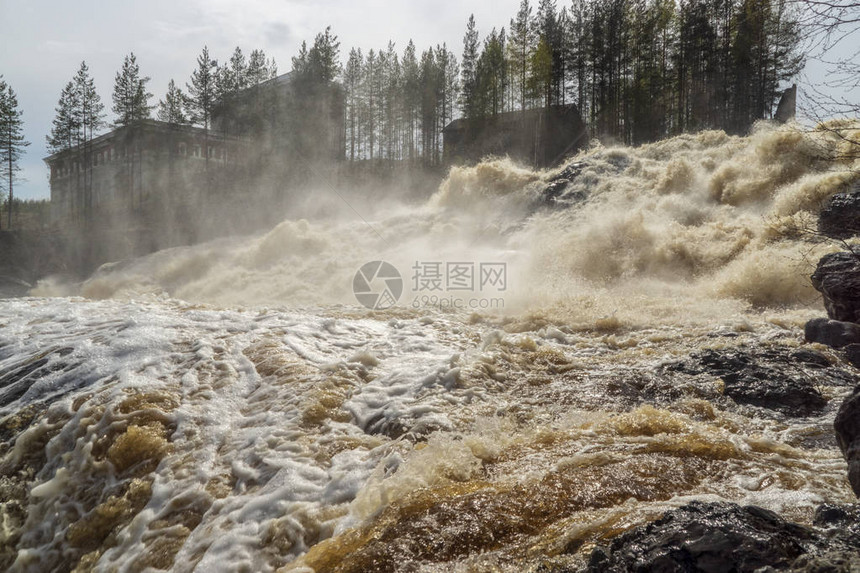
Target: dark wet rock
column 842, row 520
column 720, row 537
column 840, row 524
column 840, row 217
column 630, row 389
column 829, row 562
column 835, row 333
column 556, row 192
column 852, row 354
column 810, row 358
column 568, row 173
column 837, row 278
column 847, row 426
column 775, row 379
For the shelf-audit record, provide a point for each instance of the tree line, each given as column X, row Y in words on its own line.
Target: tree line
column 80, row 111
column 638, row 70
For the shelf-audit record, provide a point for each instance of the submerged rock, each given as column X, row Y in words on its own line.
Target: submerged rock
column 707, row 537
column 847, row 426
column 837, row 278
column 724, row 537
column 777, row 380
column 840, row 217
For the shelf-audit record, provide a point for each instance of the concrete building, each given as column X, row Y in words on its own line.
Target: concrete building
column 134, row 175
column 151, row 173
column 539, row 137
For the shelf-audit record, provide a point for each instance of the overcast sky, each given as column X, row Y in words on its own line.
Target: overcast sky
column 42, row 43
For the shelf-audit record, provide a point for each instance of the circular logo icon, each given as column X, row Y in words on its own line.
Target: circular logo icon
column 377, row 285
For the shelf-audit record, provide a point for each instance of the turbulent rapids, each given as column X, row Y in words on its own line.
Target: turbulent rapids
column 230, row 407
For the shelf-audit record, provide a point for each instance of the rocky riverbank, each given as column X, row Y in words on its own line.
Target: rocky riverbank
column 719, row 536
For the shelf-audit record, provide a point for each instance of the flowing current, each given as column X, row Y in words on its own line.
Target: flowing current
column 231, row 407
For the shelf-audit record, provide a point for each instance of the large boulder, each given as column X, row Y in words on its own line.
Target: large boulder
column 837, row 278
column 840, row 217
column 847, row 426
column 710, row 537
column 834, row 333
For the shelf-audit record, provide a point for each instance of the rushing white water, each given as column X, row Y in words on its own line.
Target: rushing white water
column 229, row 406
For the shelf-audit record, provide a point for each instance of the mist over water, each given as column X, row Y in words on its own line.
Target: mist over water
column 230, row 406
column 704, row 218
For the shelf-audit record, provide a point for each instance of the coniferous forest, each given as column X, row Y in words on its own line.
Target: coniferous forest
column 637, row 70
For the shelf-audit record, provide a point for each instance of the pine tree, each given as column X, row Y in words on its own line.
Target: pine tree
column 492, row 75
column 429, row 80
column 448, row 84
column 230, row 79
column 130, row 98
column 547, row 26
column 520, row 48
column 371, row 97
column 301, row 63
column 91, row 106
column 377, row 78
column 66, row 127
column 578, row 40
column 91, row 117
column 411, row 97
column 697, row 50
column 325, row 56
column 321, row 63
column 540, row 78
column 646, row 100
column 314, row 131
column 201, row 91
column 12, row 141
column 391, row 92
column 259, row 68
column 352, row 83
column 260, row 102
column 469, row 72
column 172, row 108
column 238, row 71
